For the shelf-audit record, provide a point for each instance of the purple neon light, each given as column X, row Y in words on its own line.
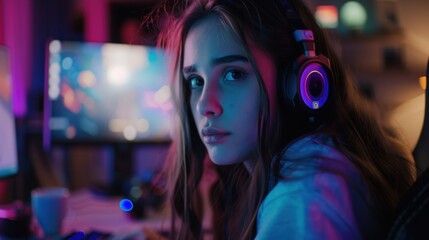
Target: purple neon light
column 18, row 40
column 312, row 102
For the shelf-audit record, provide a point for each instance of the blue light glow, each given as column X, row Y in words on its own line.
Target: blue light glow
column 126, row 205
column 77, row 236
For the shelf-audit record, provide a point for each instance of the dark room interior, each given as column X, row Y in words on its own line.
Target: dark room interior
column 75, row 115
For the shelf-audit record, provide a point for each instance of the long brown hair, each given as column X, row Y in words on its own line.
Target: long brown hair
column 384, row 163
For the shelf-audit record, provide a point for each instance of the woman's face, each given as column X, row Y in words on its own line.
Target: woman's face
column 225, row 95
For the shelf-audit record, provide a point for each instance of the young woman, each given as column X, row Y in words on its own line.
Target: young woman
column 298, row 152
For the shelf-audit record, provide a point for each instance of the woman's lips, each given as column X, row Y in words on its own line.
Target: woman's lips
column 214, row 135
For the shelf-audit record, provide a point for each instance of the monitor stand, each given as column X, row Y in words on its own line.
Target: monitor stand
column 120, row 171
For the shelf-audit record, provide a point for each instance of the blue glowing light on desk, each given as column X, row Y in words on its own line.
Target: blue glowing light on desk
column 126, row 205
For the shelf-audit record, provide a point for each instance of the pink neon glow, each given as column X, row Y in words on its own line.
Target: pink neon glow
column 2, row 20
column 96, row 15
column 18, row 40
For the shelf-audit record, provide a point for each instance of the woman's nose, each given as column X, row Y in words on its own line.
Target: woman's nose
column 209, row 104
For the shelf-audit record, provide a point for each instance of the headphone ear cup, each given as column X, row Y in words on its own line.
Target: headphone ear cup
column 314, row 84
column 307, row 86
column 290, row 86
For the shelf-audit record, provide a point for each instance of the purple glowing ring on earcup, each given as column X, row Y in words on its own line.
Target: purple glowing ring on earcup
column 314, row 86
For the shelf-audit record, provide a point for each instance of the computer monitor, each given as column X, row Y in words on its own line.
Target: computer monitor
column 106, row 93
column 8, row 146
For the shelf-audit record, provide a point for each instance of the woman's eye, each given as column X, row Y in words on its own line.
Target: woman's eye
column 195, row 82
column 233, row 75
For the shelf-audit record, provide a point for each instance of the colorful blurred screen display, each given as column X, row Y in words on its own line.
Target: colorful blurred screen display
column 8, row 145
column 104, row 92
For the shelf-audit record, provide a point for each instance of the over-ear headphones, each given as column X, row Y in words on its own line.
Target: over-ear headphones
column 313, row 74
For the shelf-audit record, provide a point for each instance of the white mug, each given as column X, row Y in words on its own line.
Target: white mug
column 49, row 206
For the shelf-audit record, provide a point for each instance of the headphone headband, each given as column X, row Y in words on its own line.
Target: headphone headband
column 307, row 39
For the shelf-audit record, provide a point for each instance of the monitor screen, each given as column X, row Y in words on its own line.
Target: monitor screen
column 8, row 148
column 104, row 92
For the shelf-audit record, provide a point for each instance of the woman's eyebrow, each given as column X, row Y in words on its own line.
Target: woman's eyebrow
column 217, row 61
column 189, row 69
column 228, row 59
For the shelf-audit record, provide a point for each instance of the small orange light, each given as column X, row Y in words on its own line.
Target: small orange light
column 327, row 16
column 423, row 82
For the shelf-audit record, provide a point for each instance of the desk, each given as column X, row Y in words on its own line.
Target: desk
column 89, row 212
